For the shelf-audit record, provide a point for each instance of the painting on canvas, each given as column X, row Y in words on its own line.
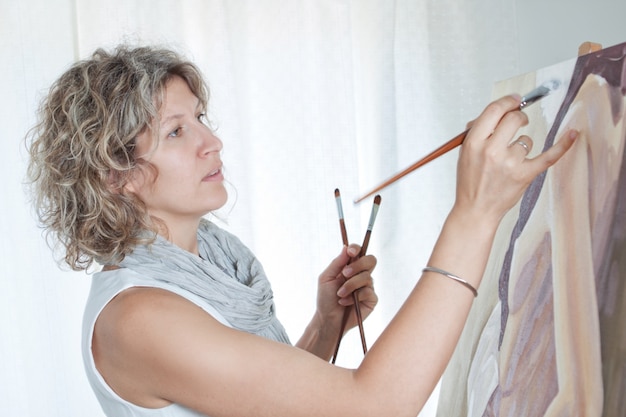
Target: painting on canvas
column 546, row 337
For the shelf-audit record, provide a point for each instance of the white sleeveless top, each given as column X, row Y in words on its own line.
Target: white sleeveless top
column 105, row 286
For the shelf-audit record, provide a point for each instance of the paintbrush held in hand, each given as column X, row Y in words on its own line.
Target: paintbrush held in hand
column 535, row 95
column 355, row 297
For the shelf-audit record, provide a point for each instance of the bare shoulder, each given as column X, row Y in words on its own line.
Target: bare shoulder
column 140, row 332
column 137, row 307
column 139, row 311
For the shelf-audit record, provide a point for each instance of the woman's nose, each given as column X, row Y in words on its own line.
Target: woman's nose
column 210, row 142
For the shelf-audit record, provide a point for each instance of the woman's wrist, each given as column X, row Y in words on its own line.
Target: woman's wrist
column 318, row 337
column 464, row 245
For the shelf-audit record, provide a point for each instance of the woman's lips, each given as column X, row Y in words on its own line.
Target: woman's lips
column 215, row 175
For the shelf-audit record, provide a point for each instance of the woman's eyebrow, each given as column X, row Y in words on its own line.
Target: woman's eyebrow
column 179, row 115
column 170, row 118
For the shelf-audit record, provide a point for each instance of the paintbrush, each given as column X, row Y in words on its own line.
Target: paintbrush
column 530, row 98
column 355, row 298
column 366, row 240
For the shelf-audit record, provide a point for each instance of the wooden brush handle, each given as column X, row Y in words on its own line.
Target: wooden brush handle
column 443, row 149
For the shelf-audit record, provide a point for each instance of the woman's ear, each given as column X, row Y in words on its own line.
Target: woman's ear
column 135, row 180
column 120, row 182
column 129, row 185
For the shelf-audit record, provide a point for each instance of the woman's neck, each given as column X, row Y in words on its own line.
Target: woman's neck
column 182, row 234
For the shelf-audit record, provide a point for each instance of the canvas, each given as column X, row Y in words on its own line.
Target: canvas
column 546, row 337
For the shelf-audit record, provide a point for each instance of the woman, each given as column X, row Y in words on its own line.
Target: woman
column 180, row 322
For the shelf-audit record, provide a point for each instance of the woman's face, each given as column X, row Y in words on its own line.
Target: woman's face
column 188, row 182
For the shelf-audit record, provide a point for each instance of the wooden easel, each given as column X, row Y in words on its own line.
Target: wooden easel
column 588, row 47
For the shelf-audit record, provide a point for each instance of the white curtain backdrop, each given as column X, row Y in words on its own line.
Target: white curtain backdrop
column 308, row 96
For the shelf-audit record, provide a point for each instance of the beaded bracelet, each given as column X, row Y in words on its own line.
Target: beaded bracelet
column 451, row 276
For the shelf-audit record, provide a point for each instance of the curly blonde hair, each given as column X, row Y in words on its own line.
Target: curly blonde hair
column 82, row 150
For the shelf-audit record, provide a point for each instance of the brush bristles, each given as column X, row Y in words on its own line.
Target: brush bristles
column 552, row 84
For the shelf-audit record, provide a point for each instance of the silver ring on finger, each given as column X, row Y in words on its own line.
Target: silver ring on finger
column 523, row 145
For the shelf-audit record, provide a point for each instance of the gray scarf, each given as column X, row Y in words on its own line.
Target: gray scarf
column 227, row 275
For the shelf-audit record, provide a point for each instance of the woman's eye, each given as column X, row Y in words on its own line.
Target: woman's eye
column 176, row 132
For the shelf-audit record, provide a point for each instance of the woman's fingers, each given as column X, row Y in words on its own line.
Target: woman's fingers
column 543, row 161
column 492, row 118
column 367, row 297
column 336, row 265
column 358, row 274
column 522, row 146
column 355, row 283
